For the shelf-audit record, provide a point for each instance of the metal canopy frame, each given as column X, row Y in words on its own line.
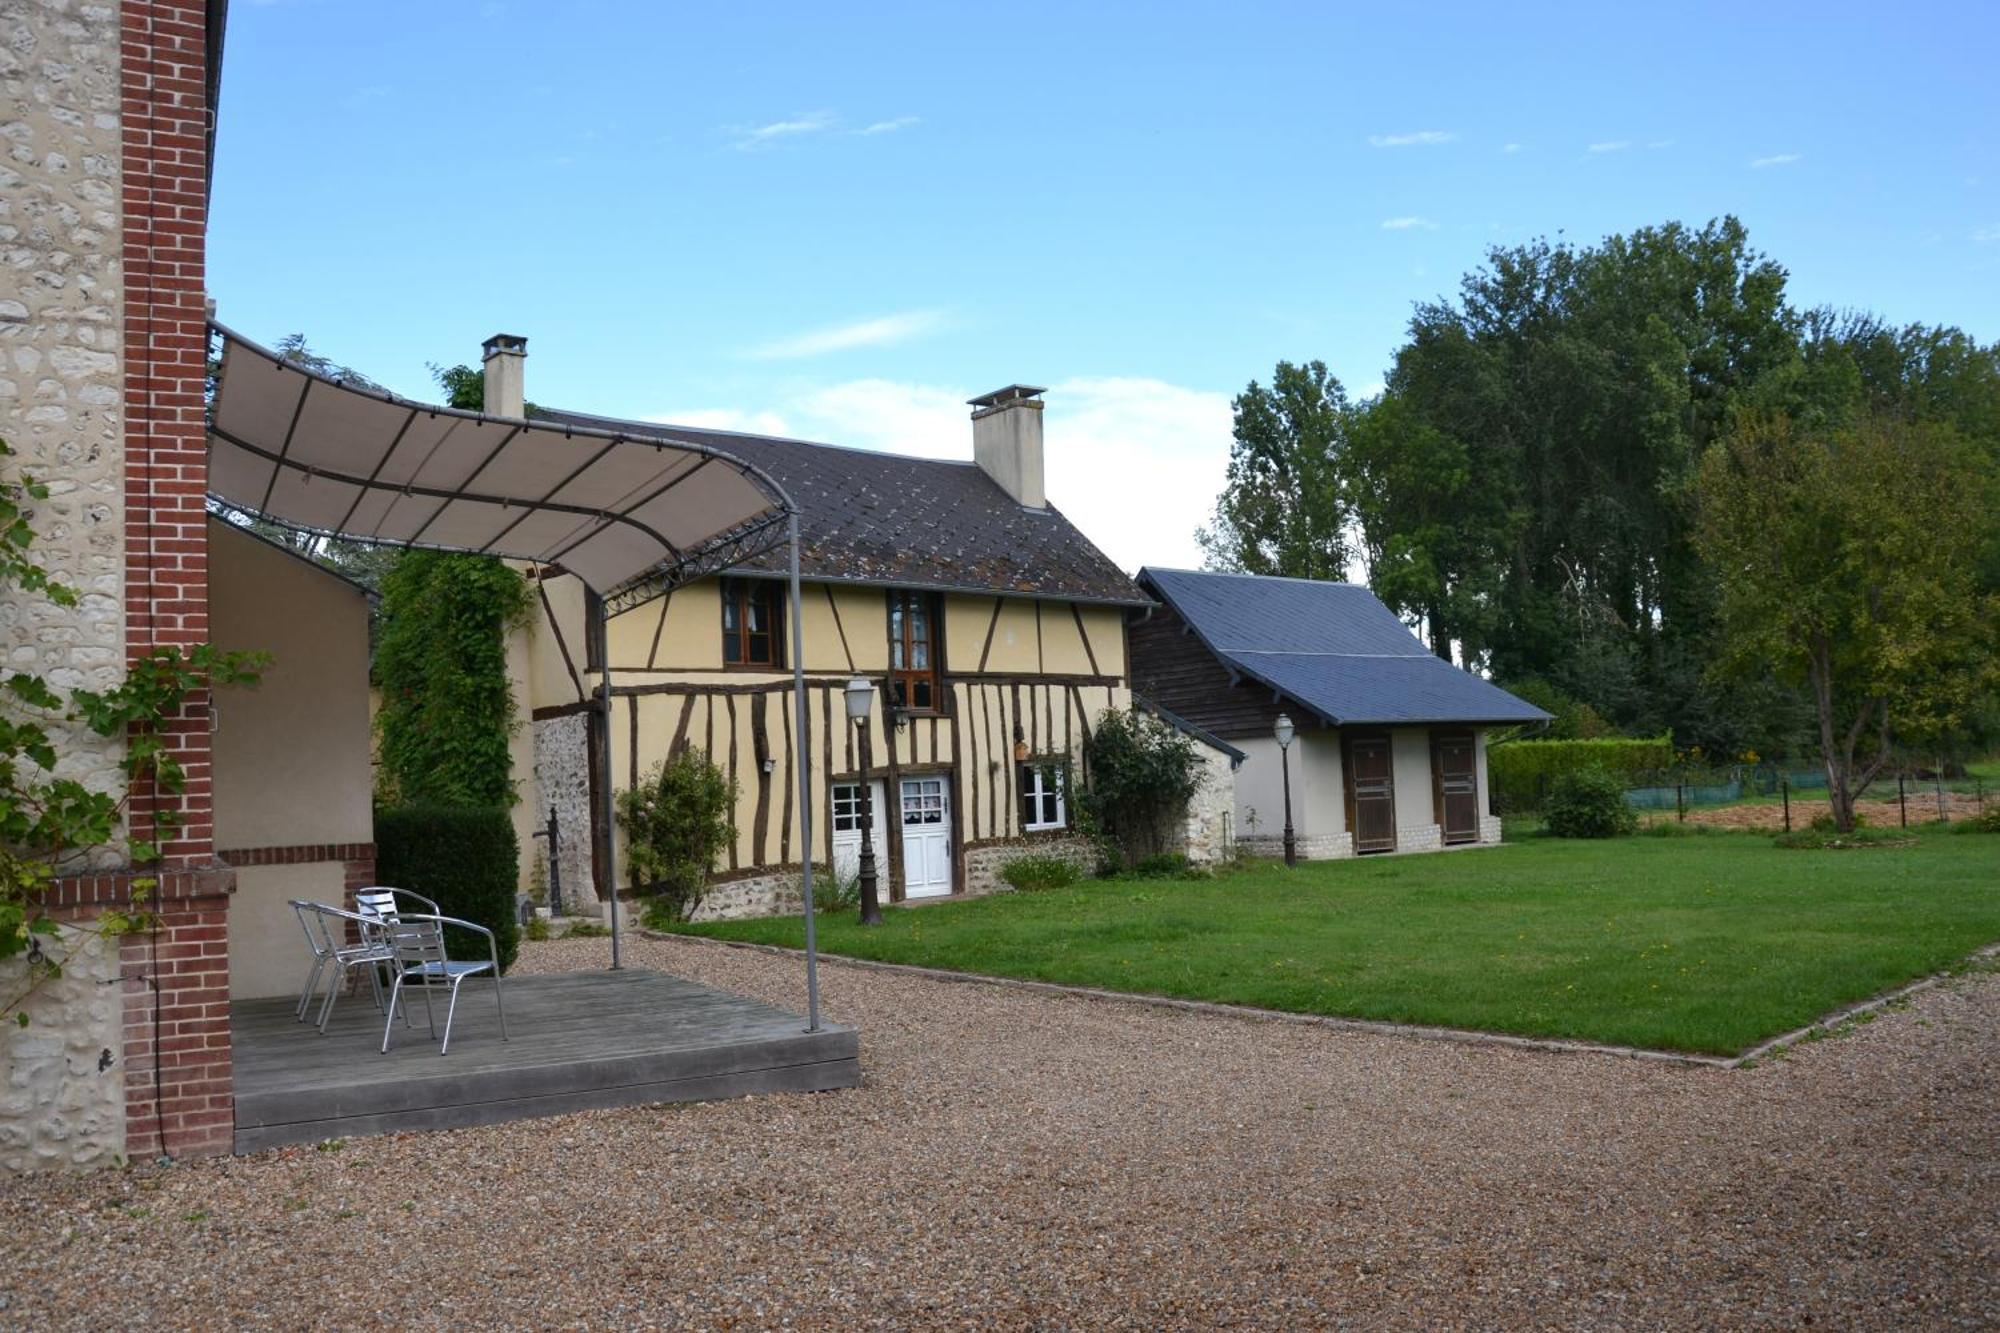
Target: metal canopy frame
column 677, row 563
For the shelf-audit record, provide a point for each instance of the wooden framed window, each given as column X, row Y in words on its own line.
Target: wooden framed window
column 752, row 626
column 913, row 652
column 1042, row 796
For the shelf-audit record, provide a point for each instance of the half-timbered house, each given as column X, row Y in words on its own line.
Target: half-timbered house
column 993, row 630
column 1389, row 748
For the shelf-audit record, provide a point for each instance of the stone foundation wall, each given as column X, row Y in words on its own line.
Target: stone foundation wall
column 1318, row 847
column 62, row 1103
column 1419, row 837
column 1489, row 828
column 983, row 863
column 772, row 894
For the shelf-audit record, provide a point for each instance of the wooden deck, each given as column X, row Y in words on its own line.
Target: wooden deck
column 578, row 1040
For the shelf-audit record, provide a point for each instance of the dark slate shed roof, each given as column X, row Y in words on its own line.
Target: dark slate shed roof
column 1332, row 648
column 891, row 519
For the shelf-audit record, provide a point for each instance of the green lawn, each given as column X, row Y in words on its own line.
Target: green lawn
column 1688, row 943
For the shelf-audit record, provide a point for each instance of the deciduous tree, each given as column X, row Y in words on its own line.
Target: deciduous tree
column 1848, row 559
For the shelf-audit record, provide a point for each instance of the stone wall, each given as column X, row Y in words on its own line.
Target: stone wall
column 1489, row 828
column 1419, row 837
column 1316, row 847
column 768, row 894
column 1210, row 835
column 63, row 1100
column 562, row 779
column 983, row 863
column 61, row 369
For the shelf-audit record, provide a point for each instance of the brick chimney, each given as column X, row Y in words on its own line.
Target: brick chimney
column 1007, row 441
column 506, row 378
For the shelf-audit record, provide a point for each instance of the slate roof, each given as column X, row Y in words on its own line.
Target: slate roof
column 895, row 520
column 1332, row 648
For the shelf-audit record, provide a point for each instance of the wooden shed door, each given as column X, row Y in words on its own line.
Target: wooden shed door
column 1458, row 787
column 1372, row 782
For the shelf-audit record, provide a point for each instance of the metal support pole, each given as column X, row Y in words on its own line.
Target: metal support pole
column 871, row 898
column 1291, row 842
column 805, row 784
column 1902, row 803
column 610, row 797
column 1785, row 786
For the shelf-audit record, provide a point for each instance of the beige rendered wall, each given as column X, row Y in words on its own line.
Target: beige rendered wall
column 291, row 754
column 267, row 947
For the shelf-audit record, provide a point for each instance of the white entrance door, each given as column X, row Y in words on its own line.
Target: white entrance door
column 926, row 838
column 847, row 833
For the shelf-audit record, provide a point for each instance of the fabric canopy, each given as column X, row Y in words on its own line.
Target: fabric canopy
column 627, row 514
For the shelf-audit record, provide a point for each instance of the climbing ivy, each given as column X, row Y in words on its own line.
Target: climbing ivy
column 50, row 823
column 447, row 711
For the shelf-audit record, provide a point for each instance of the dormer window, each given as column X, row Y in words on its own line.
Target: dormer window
column 750, row 624
column 913, row 652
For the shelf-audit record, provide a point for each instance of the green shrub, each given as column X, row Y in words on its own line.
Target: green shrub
column 1028, row 873
column 676, row 821
column 1168, row 865
column 1590, row 803
column 537, row 929
column 1986, row 821
column 1143, row 773
column 1521, row 774
column 840, row 893
column 463, row 856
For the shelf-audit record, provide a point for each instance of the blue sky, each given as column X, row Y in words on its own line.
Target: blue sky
column 841, row 221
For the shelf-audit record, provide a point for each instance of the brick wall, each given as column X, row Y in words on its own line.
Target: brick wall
column 163, row 128
column 177, row 1055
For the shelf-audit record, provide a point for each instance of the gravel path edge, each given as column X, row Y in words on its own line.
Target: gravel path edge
column 1413, row 1031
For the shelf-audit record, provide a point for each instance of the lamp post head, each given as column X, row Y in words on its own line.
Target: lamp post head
column 1284, row 731
column 860, row 699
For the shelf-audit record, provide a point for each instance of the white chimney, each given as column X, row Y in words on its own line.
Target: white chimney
column 506, row 377
column 1007, row 441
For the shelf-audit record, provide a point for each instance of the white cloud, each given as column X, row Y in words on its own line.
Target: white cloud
column 1414, row 139
column 891, row 126
column 776, row 132
column 1408, row 224
column 1135, row 463
column 892, row 416
column 1511, row 148
column 881, row 331
column 1611, row 146
column 1987, row 236
column 726, row 418
column 1776, row 160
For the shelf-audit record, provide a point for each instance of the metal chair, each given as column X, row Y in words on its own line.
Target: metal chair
column 417, row 941
column 382, row 901
column 369, row 950
column 322, row 951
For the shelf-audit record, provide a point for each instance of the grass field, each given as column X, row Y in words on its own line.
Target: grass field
column 1698, row 943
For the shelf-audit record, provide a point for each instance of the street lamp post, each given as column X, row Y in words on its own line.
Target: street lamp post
column 1284, row 732
column 860, row 703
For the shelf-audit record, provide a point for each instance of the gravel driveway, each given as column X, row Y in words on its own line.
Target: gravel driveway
column 1017, row 1159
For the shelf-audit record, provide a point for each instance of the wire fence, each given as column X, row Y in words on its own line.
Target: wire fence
column 1774, row 795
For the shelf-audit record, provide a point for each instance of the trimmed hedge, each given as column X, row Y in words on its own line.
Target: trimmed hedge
column 465, row 857
column 1521, row 774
